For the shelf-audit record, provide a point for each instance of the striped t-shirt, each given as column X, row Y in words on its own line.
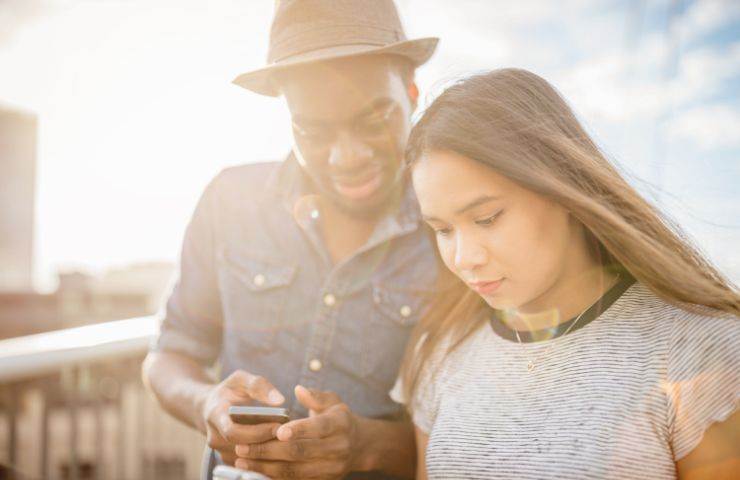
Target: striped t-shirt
column 626, row 396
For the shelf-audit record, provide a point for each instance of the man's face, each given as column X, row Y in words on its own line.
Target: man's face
column 351, row 120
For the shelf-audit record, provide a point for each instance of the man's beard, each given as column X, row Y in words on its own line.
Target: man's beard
column 389, row 196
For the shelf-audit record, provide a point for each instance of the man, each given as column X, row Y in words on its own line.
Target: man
column 305, row 277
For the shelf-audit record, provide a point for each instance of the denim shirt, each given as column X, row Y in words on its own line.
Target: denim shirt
column 258, row 290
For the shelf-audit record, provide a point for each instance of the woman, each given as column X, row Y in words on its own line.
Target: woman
column 579, row 335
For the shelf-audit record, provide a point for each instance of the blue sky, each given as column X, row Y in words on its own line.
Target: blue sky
column 137, row 111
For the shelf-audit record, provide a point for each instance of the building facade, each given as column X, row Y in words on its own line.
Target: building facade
column 18, row 143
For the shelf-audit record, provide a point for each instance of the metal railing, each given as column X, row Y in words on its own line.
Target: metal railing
column 74, row 407
column 37, row 355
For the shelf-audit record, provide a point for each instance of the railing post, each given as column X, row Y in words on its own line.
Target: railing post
column 121, row 451
column 12, row 425
column 98, row 406
column 44, row 454
column 69, row 383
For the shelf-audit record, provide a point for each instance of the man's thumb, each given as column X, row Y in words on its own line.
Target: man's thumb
column 316, row 401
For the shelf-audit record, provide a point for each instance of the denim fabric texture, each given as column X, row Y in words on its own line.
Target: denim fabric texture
column 258, row 291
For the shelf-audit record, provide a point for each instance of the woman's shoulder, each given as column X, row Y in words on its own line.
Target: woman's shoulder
column 684, row 328
column 640, row 303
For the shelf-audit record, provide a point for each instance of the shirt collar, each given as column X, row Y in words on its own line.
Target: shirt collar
column 287, row 181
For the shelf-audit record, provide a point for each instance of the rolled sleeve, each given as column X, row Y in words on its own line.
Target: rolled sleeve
column 191, row 322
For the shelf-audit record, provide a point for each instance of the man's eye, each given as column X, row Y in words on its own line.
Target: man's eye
column 373, row 126
column 378, row 122
column 376, row 125
column 311, row 134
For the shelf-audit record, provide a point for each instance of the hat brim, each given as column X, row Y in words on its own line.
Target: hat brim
column 418, row 51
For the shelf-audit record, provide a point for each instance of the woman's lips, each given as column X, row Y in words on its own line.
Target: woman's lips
column 486, row 288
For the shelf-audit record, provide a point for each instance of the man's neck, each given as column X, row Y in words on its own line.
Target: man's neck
column 343, row 232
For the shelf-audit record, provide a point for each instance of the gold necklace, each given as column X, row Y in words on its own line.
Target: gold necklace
column 532, row 363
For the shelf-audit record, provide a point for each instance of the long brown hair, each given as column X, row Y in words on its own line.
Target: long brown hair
column 515, row 122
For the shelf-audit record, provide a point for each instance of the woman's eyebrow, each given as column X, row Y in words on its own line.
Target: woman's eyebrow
column 428, row 218
column 482, row 200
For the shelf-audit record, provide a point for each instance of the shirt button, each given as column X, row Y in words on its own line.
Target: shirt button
column 315, row 365
column 259, row 280
column 405, row 311
column 330, row 300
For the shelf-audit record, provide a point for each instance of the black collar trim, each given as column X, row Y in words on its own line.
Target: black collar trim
column 502, row 330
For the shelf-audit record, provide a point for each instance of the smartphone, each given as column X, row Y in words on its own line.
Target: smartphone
column 257, row 415
column 223, row 472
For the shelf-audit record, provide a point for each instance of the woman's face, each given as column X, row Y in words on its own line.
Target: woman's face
column 507, row 243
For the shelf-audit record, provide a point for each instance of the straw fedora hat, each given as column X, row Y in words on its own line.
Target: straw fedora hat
column 305, row 31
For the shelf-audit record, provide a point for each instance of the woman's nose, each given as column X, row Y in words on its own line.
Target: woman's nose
column 469, row 253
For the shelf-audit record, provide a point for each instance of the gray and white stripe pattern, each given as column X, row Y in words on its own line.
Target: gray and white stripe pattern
column 624, row 397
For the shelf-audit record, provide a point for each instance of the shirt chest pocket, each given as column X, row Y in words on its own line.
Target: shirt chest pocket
column 395, row 312
column 255, row 294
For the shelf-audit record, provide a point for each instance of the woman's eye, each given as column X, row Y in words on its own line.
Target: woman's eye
column 442, row 232
column 488, row 220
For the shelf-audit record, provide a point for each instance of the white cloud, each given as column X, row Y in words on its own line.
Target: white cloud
column 709, row 127
column 705, row 16
column 702, row 71
column 627, row 85
column 617, row 86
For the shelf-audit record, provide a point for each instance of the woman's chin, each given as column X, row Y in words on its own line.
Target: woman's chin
column 499, row 303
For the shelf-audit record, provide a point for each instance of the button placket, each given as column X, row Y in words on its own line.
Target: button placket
column 322, row 333
column 330, row 300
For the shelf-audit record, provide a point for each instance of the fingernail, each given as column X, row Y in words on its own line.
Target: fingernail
column 275, row 397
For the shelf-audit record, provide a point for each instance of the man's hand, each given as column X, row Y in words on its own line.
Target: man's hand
column 239, row 388
column 325, row 445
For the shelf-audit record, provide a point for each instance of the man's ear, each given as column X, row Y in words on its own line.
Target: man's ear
column 413, row 92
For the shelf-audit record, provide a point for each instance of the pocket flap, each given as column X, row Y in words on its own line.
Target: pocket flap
column 402, row 305
column 257, row 273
